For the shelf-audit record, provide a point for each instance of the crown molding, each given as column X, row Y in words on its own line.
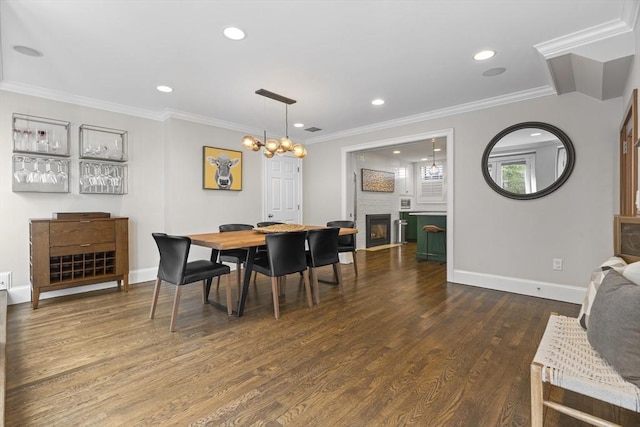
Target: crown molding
column 84, row 101
column 630, row 10
column 205, row 120
column 444, row 112
column 565, row 44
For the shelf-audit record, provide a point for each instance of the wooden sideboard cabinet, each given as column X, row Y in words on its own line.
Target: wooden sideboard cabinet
column 77, row 249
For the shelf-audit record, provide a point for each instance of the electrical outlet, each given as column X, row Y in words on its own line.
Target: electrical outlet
column 557, row 264
column 5, row 281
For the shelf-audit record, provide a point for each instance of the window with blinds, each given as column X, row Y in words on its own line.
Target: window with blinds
column 431, row 187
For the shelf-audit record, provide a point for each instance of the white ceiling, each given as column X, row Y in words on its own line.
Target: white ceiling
column 333, row 57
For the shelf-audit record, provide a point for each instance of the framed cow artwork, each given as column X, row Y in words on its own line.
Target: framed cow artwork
column 221, row 169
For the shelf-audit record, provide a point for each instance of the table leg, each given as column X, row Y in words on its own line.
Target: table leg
column 248, row 270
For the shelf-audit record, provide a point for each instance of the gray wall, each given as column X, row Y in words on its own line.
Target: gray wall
column 498, row 240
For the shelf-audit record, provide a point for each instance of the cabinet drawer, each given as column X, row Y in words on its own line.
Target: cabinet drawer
column 85, row 248
column 81, row 233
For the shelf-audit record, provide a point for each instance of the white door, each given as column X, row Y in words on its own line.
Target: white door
column 283, row 182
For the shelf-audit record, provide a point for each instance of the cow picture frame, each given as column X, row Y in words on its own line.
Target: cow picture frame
column 378, row 181
column 221, row 169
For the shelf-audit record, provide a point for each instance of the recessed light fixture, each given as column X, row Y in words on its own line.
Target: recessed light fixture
column 233, row 33
column 377, row 101
column 423, row 160
column 165, row 89
column 536, row 134
column 494, row 72
column 484, row 54
column 396, row 151
column 27, row 50
column 437, row 149
column 298, row 125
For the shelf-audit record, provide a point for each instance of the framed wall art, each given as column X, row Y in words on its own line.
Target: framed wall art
column 380, row 181
column 221, row 169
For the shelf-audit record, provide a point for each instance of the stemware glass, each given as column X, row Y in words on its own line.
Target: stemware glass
column 21, row 174
column 49, row 176
column 35, row 176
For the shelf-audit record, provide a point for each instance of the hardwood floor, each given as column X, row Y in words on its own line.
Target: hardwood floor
column 401, row 347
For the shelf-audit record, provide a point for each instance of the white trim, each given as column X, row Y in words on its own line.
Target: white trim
column 448, row 133
column 77, row 100
column 444, row 112
column 569, row 42
column 554, row 291
column 630, row 10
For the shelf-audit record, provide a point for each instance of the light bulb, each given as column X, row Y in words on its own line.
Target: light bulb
column 286, row 144
column 248, row 141
column 433, row 169
column 272, row 145
column 268, row 154
column 299, row 150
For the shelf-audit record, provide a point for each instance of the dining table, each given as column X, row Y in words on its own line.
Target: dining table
column 243, row 239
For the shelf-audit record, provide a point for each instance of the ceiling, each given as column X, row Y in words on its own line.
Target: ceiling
column 333, row 57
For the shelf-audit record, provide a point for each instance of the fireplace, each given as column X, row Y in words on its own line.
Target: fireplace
column 378, row 230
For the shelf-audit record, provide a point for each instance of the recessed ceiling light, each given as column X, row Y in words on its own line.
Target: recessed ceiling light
column 27, row 51
column 494, row 72
column 377, row 101
column 396, row 151
column 484, row 54
column 234, row 33
column 298, row 125
column 437, row 149
column 165, row 89
column 423, row 160
column 536, row 134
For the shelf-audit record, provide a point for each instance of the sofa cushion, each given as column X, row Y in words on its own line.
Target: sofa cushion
column 614, row 325
column 597, row 275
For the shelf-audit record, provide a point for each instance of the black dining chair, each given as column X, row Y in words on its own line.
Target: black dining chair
column 346, row 243
column 236, row 256
column 285, row 255
column 175, row 269
column 323, row 250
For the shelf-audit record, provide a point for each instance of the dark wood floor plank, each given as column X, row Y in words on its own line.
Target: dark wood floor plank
column 400, row 347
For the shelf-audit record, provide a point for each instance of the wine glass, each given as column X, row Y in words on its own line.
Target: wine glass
column 21, row 174
column 35, row 176
column 49, row 176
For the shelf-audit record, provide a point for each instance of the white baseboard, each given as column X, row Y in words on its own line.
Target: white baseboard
column 554, row 291
column 21, row 294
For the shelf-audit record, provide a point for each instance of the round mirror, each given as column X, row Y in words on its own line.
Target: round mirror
column 528, row 160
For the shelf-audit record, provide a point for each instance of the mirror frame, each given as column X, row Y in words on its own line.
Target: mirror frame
column 564, row 139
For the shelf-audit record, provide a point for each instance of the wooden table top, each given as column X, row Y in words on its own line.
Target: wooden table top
column 244, row 238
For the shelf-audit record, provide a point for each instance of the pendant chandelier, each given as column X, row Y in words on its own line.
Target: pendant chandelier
column 434, row 168
column 273, row 146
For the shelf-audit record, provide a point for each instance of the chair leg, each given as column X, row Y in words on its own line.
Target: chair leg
column 154, row 301
column 204, row 291
column 305, row 274
column 229, row 299
column 174, row 313
column 276, row 301
column 314, row 280
column 355, row 262
column 218, row 284
column 537, row 398
column 338, row 272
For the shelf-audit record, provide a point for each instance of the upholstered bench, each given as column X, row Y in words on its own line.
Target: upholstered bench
column 566, row 359
column 598, row 353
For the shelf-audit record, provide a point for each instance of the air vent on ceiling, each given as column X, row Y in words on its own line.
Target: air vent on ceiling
column 313, row 129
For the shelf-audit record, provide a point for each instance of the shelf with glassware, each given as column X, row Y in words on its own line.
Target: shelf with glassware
column 40, row 174
column 100, row 143
column 103, row 178
column 40, row 135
